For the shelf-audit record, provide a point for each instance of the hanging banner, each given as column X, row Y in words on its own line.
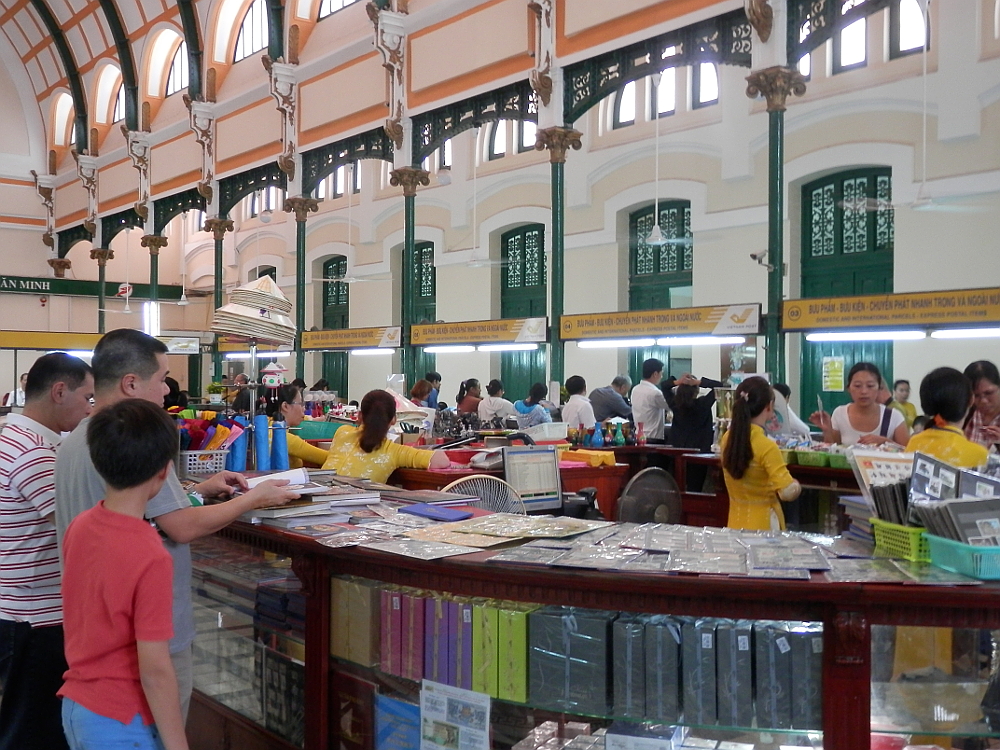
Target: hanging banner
column 504, row 331
column 921, row 309
column 48, row 340
column 75, row 288
column 181, row 344
column 719, row 320
column 353, row 338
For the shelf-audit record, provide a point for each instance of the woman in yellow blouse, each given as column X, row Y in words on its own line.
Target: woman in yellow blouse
column 756, row 475
column 946, row 395
column 366, row 452
column 287, row 406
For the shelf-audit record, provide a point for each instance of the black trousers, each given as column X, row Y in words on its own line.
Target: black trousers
column 30, row 711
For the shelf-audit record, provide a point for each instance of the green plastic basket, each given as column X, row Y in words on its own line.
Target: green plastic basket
column 839, row 461
column 979, row 562
column 789, row 456
column 314, row 429
column 904, row 542
column 813, row 458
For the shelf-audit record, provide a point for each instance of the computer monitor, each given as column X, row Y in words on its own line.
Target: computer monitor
column 533, row 470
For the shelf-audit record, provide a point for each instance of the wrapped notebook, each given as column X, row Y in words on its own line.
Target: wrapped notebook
column 773, row 659
column 663, row 669
column 699, row 660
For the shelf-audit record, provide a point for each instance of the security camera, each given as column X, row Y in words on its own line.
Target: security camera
column 759, row 256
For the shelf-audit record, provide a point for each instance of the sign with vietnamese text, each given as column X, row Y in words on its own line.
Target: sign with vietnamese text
column 353, row 338
column 719, row 320
column 920, row 309
column 504, row 331
column 76, row 288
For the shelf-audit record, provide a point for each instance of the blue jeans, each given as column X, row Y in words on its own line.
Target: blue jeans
column 86, row 730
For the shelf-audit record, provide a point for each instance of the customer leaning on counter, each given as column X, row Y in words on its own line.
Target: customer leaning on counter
column 288, row 406
column 367, row 453
column 755, row 473
column 864, row 420
column 946, row 397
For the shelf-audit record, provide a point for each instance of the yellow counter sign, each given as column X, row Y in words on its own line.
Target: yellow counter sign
column 353, row 338
column 921, row 309
column 505, row 331
column 719, row 320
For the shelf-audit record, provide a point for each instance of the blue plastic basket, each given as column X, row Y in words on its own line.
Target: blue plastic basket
column 979, row 562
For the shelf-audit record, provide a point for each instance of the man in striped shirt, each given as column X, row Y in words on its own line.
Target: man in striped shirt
column 59, row 393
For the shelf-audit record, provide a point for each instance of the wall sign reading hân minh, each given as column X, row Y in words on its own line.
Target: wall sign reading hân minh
column 919, row 309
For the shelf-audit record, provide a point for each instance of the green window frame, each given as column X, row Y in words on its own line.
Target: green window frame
column 847, row 213
column 523, row 294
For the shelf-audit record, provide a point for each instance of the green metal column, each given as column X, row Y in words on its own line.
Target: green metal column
column 556, row 346
column 775, row 84
column 301, row 207
column 154, row 243
column 218, row 227
column 557, row 141
column 407, row 355
column 102, row 256
column 774, row 360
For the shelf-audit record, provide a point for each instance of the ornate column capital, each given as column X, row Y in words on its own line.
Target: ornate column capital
column 409, row 178
column 557, row 141
column 154, row 242
column 775, row 84
column 102, row 255
column 60, row 266
column 301, row 207
column 218, row 227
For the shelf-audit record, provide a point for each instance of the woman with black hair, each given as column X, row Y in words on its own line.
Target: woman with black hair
column 693, row 425
column 367, row 453
column 864, row 420
column 755, row 473
column 287, row 406
column 983, row 426
column 468, row 398
column 946, row 397
column 531, row 411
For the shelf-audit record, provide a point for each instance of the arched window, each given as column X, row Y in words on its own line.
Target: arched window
column 847, row 249
column 261, row 271
column 625, row 106
column 663, row 98
column 119, row 113
column 336, row 316
column 498, row 140
column 329, row 7
column 661, row 276
column 334, row 185
column 265, row 199
column 850, row 45
column 704, row 85
column 253, row 36
column 523, row 285
column 63, row 131
column 444, row 155
column 907, row 31
column 526, row 138
column 177, row 78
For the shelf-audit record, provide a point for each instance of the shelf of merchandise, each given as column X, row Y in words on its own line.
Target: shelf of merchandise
column 853, row 705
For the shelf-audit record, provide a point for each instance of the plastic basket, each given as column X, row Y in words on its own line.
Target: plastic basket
column 314, row 429
column 547, row 431
column 789, row 457
column 813, row 458
column 906, row 542
column 202, row 462
column 979, row 562
column 839, row 461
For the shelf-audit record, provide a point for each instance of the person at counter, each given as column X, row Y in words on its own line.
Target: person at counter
column 578, row 410
column 946, row 396
column 287, row 406
column 611, row 400
column 649, row 406
column 434, row 378
column 864, row 420
column 983, row 426
column 420, row 392
column 16, row 396
column 241, row 402
column 531, row 411
column 495, row 406
column 367, row 453
column 755, row 473
column 468, row 398
column 901, row 401
column 693, row 425
column 789, row 423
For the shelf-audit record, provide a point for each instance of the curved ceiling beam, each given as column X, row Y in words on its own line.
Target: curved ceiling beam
column 114, row 19
column 192, row 35
column 72, row 73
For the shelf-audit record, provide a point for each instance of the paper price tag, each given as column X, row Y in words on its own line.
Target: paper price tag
column 395, row 602
column 782, row 644
column 466, row 615
column 706, row 640
column 817, row 644
column 743, row 642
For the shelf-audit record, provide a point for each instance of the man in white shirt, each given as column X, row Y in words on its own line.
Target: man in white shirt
column 649, row 407
column 578, row 409
column 16, row 396
column 59, row 390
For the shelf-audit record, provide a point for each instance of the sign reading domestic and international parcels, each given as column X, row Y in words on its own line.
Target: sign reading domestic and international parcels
column 503, row 331
column 717, row 320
